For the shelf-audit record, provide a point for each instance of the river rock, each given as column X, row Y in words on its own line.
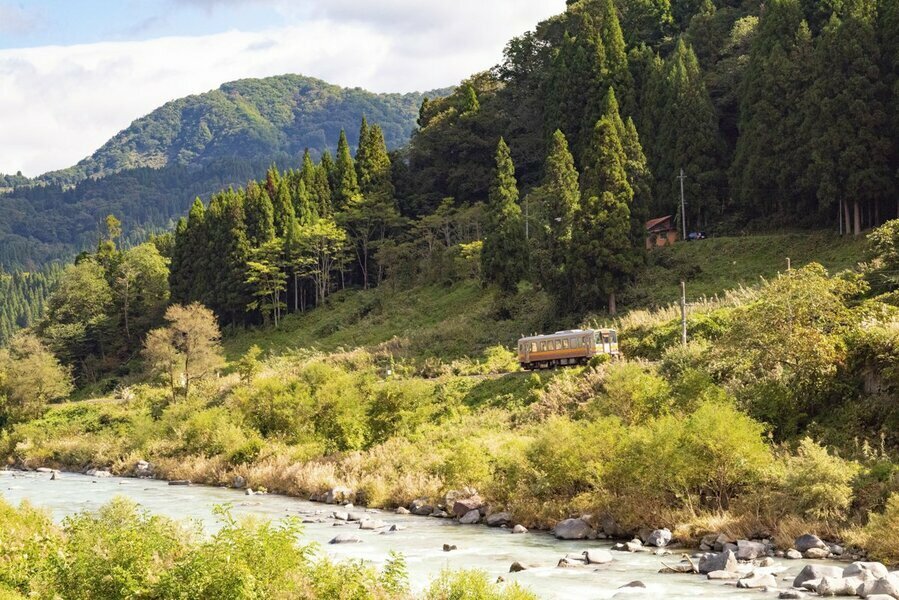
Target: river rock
column 812, row 572
column 143, row 469
column 371, row 524
column 44, row 470
column 659, row 538
column 402, row 510
column 572, row 529
column 754, row 582
column 179, row 482
column 449, row 547
column 462, row 507
column 519, row 529
column 99, row 473
column 238, row 482
column 569, row 562
column 808, row 541
column 597, row 556
column 421, row 507
column 517, row 567
column 471, row 517
column 633, row 584
column 354, row 516
column 875, row 569
column 722, row 561
column 747, row 550
column 793, row 554
column 341, row 515
column 610, row 527
column 888, row 586
column 791, row 595
column 498, row 519
column 724, row 575
column 816, row 553
column 879, row 597
column 345, row 538
column 836, row 549
column 840, row 586
column 338, row 495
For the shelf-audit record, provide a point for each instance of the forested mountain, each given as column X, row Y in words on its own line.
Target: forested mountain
column 24, row 295
column 148, row 174
column 247, row 119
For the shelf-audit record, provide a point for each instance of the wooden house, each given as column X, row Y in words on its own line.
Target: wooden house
column 661, row 232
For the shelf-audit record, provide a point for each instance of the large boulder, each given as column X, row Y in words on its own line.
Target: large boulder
column 597, row 556
column 888, row 586
column 421, row 507
column 338, row 495
column 345, row 538
column 519, row 529
column 143, row 469
column 839, row 586
column 571, row 529
column 462, row 507
column 98, row 473
column 471, row 517
column 812, row 572
column 659, row 538
column 816, row 553
column 498, row 519
column 809, row 541
column 747, row 550
column 722, row 561
column 371, row 524
column 754, row 582
column 861, row 569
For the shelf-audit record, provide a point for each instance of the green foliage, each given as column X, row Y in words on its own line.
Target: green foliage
column 249, row 365
column 30, row 377
column 504, row 255
column 819, row 484
column 126, row 544
column 473, row 585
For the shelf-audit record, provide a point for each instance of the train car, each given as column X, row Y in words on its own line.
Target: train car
column 574, row 347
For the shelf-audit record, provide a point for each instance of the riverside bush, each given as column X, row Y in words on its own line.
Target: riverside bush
column 819, row 484
column 121, row 552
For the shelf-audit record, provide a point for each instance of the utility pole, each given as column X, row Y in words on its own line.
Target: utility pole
column 683, row 213
column 788, row 265
column 683, row 313
column 527, row 219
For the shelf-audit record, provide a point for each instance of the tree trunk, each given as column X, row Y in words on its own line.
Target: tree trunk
column 857, row 217
column 296, row 292
column 847, row 221
column 840, row 216
column 612, row 308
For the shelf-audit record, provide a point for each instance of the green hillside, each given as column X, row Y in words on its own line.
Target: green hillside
column 248, row 119
column 460, row 319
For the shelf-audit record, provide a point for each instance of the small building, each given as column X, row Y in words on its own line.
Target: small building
column 661, row 232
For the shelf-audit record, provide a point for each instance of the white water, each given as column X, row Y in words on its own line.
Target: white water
column 421, row 542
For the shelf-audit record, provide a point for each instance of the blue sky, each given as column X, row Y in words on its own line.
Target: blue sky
column 67, row 22
column 75, row 72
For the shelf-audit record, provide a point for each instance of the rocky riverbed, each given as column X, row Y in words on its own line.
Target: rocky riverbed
column 551, row 567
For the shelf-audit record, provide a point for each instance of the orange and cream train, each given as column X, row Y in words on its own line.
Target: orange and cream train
column 573, row 347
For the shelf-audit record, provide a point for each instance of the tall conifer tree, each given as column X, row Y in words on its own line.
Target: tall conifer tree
column 505, row 252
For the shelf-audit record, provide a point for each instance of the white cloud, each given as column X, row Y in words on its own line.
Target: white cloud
column 58, row 104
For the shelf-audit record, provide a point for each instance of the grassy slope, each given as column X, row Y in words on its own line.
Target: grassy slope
column 456, row 321
column 712, row 266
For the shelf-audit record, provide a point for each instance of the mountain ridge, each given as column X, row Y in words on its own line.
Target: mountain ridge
column 247, row 118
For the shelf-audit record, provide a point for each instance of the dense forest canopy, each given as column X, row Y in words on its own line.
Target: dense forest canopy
column 149, row 174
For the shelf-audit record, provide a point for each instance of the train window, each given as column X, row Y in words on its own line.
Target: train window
column 558, row 344
column 533, row 346
column 614, row 335
column 605, row 338
column 565, row 344
column 543, row 346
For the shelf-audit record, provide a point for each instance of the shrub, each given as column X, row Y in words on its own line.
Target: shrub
column 568, row 457
column 879, row 536
column 819, row 484
column 473, row 585
column 116, row 552
column 27, row 538
column 632, row 392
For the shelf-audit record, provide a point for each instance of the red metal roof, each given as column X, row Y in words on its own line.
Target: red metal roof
column 653, row 222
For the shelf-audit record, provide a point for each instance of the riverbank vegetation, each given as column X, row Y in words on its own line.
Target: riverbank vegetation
column 776, row 416
column 120, row 551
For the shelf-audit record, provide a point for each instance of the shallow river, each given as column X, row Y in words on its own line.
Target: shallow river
column 421, row 542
